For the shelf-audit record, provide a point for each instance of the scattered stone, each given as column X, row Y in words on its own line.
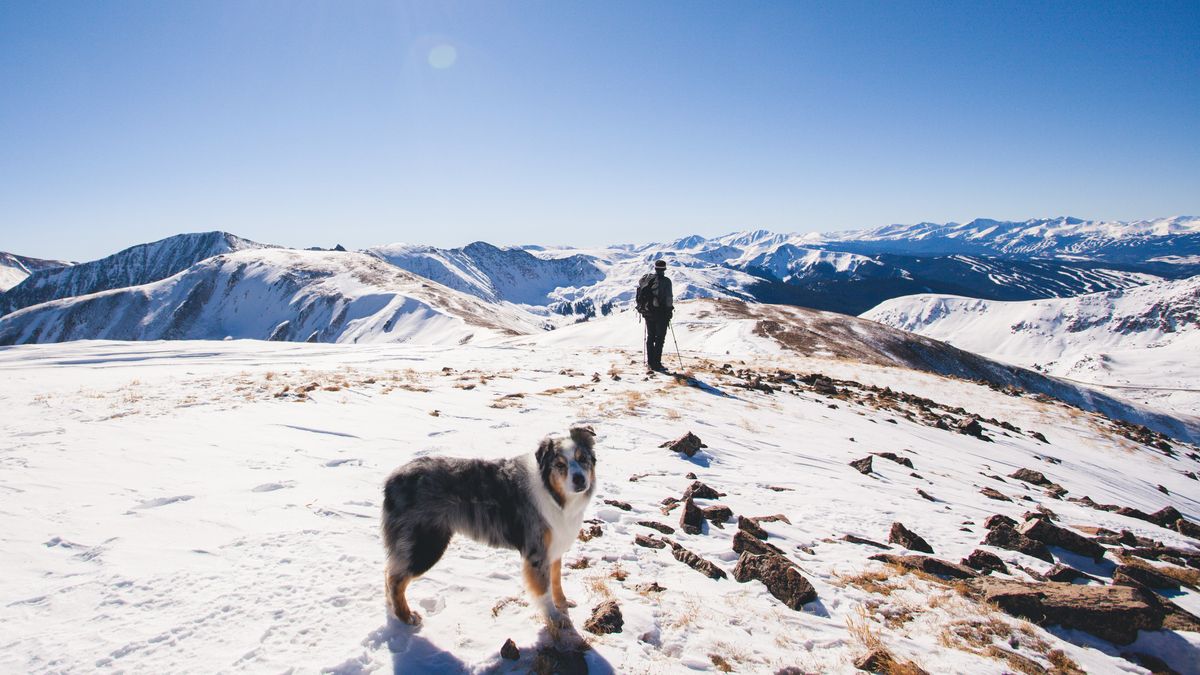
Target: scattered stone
column 881, row 661
column 606, row 618
column 1041, row 529
column 1113, row 613
column 1124, row 574
column 509, row 650
column 690, row 476
column 696, row 562
column 1030, row 476
column 928, row 565
column 624, row 506
column 971, row 427
column 1163, row 490
column 1039, row 436
column 651, row 587
column 751, row 527
column 994, row 494
column 917, row 476
column 855, row 539
column 590, row 533
column 698, row 490
column 1067, row 574
column 781, row 577
column 1007, row 537
column 648, row 542
column 689, row 443
column 895, row 458
column 776, row 488
column 908, row 539
column 665, row 529
column 771, row 519
column 985, row 562
column 1165, row 517
column 744, row 541
column 863, row 465
column 925, row 495
column 1187, row 528
column 718, row 515
column 1133, row 513
column 692, row 518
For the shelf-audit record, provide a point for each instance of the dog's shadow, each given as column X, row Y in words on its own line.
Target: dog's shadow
column 415, row 655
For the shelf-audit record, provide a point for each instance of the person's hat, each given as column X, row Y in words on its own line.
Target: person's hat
column 660, row 264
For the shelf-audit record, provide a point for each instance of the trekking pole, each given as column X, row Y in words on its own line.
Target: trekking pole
column 677, row 354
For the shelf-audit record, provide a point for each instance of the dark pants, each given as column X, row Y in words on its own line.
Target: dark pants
column 656, row 334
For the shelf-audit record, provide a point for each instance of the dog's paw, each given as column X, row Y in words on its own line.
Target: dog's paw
column 565, row 605
column 413, row 619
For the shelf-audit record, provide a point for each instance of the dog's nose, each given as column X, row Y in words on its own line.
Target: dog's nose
column 579, row 481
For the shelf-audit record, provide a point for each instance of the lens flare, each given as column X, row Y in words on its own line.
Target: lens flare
column 443, row 56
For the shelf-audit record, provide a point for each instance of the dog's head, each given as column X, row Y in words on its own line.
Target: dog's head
column 568, row 465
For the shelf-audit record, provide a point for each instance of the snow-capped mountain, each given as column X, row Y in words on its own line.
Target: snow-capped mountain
column 273, row 294
column 133, row 266
column 15, row 268
column 1143, row 340
column 1166, row 240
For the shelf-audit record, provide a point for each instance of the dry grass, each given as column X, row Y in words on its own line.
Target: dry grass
column 1063, row 665
column 597, row 585
column 720, row 663
column 505, row 602
column 671, row 414
column 871, row 581
column 888, row 664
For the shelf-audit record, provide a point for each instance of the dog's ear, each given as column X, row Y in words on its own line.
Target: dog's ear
column 584, row 436
column 546, row 451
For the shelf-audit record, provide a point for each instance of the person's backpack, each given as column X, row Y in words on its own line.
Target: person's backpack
column 646, row 291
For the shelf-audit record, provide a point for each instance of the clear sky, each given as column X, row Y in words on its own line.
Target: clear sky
column 583, row 122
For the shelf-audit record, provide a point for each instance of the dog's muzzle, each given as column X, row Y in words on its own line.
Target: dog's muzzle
column 578, row 482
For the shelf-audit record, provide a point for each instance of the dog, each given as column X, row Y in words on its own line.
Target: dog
column 532, row 503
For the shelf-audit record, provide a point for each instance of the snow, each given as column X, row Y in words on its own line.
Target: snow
column 171, row 507
column 1139, row 343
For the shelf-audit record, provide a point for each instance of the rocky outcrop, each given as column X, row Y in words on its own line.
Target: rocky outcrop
column 863, row 465
column 1006, row 537
column 692, row 518
column 606, row 618
column 928, row 565
column 905, row 537
column 781, row 576
column 1041, row 529
column 696, row 562
column 689, row 444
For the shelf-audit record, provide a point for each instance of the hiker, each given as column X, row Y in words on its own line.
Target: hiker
column 656, row 304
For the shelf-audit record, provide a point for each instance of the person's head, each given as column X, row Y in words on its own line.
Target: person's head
column 660, row 266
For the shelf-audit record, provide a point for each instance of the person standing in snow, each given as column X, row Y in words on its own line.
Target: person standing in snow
column 656, row 304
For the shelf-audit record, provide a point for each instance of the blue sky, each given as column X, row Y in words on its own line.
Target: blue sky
column 314, row 123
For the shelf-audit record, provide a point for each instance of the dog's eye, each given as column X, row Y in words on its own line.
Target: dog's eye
column 558, row 464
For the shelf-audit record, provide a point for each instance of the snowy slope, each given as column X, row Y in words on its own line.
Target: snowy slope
column 1142, row 340
column 177, row 507
column 15, row 268
column 1063, row 238
column 133, row 266
column 273, row 294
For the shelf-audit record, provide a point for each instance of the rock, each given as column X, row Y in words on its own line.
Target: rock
column 689, row 444
column 648, row 542
column 751, row 527
column 971, row 427
column 1030, row 476
column 1038, row 435
column 696, row 562
column 606, row 618
column 908, row 539
column 1155, row 665
column 744, row 541
column 895, row 458
column 1187, row 528
column 881, row 661
column 778, row 517
column 698, row 490
column 998, row 519
column 651, row 587
column 690, row 476
column 925, row 495
column 1113, row 613
column 1067, row 574
column 718, row 515
column 624, row 506
column 1143, row 575
column 1165, row 517
column 560, row 661
column 985, row 562
column 509, row 650
column 1131, row 513
column 591, row 532
column 665, row 529
column 863, row 465
column 781, row 576
column 855, row 539
column 1163, row 490
column 994, row 494
column 692, row 518
column 1041, row 529
column 1006, row 537
column 920, row 563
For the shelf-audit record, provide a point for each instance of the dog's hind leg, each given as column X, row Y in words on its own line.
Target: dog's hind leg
column 396, row 585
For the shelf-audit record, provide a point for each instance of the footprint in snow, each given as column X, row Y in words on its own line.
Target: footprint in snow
column 271, row 487
column 162, row 501
column 339, row 462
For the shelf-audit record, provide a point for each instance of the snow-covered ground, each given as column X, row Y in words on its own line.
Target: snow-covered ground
column 201, row 506
column 1140, row 343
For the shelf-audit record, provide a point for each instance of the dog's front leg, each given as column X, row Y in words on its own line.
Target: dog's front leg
column 537, row 576
column 560, row 599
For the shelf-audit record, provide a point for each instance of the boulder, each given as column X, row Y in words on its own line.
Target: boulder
column 908, row 539
column 991, row 493
column 692, row 518
column 1113, row 613
column 1007, row 537
column 689, row 444
column 1030, row 476
column 624, row 506
column 606, row 618
column 648, row 542
column 751, row 527
column 718, row 515
column 1067, row 574
column 781, row 576
column 970, row 426
column 855, row 539
column 921, row 563
column 1187, row 528
column 993, row 521
column 985, row 562
column 1041, row 529
column 1144, row 575
column 696, row 562
column 698, row 490
column 665, row 529
column 863, row 465
column 509, row 650
column 744, row 541
column 1165, row 517
column 891, row 456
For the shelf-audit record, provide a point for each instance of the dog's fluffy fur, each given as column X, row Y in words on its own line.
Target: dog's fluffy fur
column 533, row 503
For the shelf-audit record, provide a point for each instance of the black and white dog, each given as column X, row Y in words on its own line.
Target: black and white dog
column 533, row 503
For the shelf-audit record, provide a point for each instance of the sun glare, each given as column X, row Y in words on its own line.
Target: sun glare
column 443, row 56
